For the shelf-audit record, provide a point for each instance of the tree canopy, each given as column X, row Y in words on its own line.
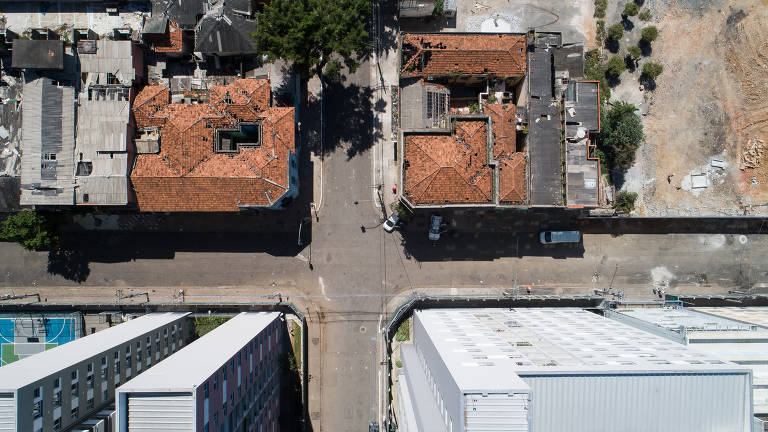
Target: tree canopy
column 620, row 135
column 34, row 230
column 615, row 66
column 616, row 31
column 630, row 9
column 308, row 32
column 649, row 34
column 652, row 70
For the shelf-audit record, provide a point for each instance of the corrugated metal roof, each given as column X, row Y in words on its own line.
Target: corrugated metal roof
column 189, row 367
column 114, row 57
column 38, row 54
column 39, row 366
column 47, row 181
column 757, row 315
column 103, row 128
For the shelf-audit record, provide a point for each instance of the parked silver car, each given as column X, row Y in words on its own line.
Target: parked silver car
column 435, row 223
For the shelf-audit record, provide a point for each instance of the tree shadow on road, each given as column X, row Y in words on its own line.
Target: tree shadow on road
column 349, row 119
column 70, row 264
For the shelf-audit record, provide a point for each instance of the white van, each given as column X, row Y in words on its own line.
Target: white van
column 549, row 237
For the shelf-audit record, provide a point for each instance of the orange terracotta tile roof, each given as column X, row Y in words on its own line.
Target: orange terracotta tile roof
column 188, row 175
column 510, row 162
column 501, row 55
column 147, row 102
column 450, row 168
column 170, row 42
column 512, row 179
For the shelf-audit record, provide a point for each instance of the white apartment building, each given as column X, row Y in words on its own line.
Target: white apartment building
column 55, row 389
column 227, row 380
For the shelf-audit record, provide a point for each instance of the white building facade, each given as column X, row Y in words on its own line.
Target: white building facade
column 58, row 388
column 228, row 380
column 555, row 369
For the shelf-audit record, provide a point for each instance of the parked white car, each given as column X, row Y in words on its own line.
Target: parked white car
column 391, row 223
column 549, row 237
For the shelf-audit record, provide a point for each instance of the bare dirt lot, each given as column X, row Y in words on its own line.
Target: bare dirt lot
column 706, row 150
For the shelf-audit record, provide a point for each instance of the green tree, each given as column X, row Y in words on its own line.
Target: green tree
column 645, row 15
column 34, row 230
column 615, row 66
column 630, row 9
column 652, row 70
column 625, row 201
column 649, row 34
column 308, row 32
column 600, row 6
column 600, row 30
column 615, row 32
column 620, row 135
column 634, row 52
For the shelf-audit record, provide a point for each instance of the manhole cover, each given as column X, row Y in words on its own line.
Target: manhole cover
column 362, row 329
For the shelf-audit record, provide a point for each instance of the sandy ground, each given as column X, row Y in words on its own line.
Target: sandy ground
column 710, row 100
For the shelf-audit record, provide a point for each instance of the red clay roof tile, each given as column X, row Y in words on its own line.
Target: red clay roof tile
column 188, row 175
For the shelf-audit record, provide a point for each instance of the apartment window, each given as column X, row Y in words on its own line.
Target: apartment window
column 89, row 381
column 56, row 400
column 36, row 393
column 75, row 389
column 75, row 413
column 90, row 367
column 37, row 409
column 74, row 375
column 205, row 390
column 90, row 404
column 57, row 424
column 216, row 381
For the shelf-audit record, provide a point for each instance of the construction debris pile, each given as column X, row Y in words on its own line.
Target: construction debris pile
column 752, row 157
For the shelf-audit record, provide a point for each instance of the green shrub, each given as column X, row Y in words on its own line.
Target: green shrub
column 438, row 10
column 645, row 15
column 652, row 70
column 649, row 34
column 600, row 6
column 634, row 52
column 398, row 363
column 404, row 331
column 594, row 70
column 625, row 201
column 615, row 66
column 615, row 32
column 600, row 31
column 33, row 230
column 204, row 324
column 630, row 9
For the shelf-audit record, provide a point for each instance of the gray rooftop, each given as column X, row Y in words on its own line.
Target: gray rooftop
column 191, row 366
column 679, row 319
column 544, row 132
column 570, row 59
column 31, row 369
column 47, row 145
column 102, row 57
column 38, row 54
column 582, row 108
column 155, row 25
column 422, row 401
column 103, row 131
column 224, row 32
column 582, row 175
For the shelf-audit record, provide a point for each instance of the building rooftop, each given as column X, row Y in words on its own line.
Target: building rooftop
column 449, row 167
column 108, row 62
column 551, row 341
column 38, row 54
column 103, row 131
column 492, row 54
column 681, row 320
column 222, row 31
column 185, row 13
column 191, row 366
column 569, row 59
column 544, row 132
column 39, row 366
column 755, row 315
column 48, row 141
column 511, row 163
column 170, row 40
column 231, row 151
